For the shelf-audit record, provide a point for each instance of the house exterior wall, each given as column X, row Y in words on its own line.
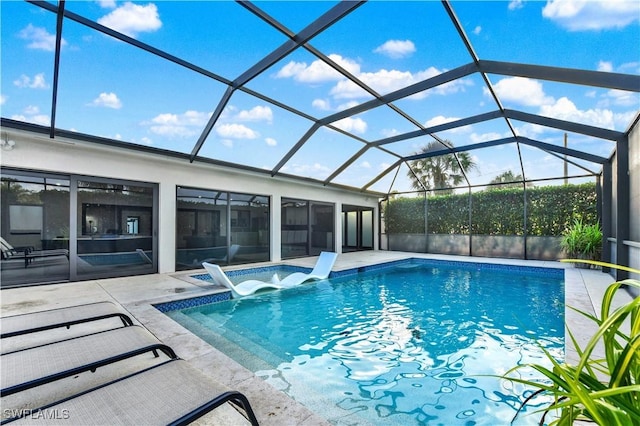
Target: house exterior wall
column 39, row 153
column 634, row 198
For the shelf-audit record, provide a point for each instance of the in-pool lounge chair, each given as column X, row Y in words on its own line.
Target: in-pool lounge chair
column 321, row 271
column 245, row 288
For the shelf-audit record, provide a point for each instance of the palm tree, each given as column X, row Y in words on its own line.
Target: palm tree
column 443, row 171
column 507, row 180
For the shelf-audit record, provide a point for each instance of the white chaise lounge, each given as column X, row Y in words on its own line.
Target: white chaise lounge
column 321, row 271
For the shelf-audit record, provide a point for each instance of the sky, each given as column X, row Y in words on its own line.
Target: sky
column 110, row 89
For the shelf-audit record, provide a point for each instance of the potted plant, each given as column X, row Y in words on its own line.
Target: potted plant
column 582, row 241
column 604, row 390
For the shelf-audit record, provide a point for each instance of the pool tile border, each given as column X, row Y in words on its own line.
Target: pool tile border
column 192, row 302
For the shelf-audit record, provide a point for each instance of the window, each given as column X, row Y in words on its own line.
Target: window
column 220, row 227
column 307, row 228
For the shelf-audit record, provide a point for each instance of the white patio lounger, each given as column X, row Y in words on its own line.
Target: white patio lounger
column 170, row 393
column 28, row 368
column 245, row 288
column 321, row 271
column 62, row 317
column 233, row 250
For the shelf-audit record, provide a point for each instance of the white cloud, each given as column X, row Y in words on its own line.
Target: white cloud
column 396, row 48
column 630, row 68
column 42, row 120
column 132, row 19
column 516, row 4
column 39, row 38
column 530, row 130
column 623, row 120
column 318, row 71
column 321, row 104
column 187, row 124
column 365, row 164
column 107, row 100
column 522, row 91
column 271, row 141
column 3, row 99
column 347, row 105
column 383, row 81
column 146, row 141
column 312, row 170
column 581, row 15
column 32, row 115
column 440, row 119
column 257, row 113
column 107, row 4
column 387, row 133
column 32, row 110
column 484, row 137
column 350, row 124
column 387, row 81
column 37, row 82
column 605, row 66
column 564, row 109
column 621, row 98
column 236, row 131
column 477, row 30
column 228, row 143
column 383, row 166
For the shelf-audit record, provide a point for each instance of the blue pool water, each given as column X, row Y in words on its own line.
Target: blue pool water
column 413, row 343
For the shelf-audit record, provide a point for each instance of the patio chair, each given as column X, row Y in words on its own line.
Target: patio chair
column 233, row 250
column 36, row 366
column 17, row 325
column 144, row 256
column 173, row 393
column 28, row 254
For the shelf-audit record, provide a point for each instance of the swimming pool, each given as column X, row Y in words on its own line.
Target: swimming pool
column 405, row 343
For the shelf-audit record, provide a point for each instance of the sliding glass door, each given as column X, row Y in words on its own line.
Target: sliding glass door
column 115, row 223
column 220, row 227
column 35, row 229
column 357, row 228
column 58, row 228
column 307, row 228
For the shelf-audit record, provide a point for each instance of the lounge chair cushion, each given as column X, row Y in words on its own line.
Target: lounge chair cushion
column 62, row 317
column 156, row 396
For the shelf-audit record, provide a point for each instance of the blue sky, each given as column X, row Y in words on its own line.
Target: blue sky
column 108, row 88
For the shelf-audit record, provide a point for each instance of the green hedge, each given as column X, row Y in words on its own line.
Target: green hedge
column 550, row 210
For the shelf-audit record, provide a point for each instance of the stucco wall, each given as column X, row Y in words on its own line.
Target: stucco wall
column 634, row 197
column 39, row 153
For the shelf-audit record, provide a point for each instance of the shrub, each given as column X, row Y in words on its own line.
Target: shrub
column 550, row 211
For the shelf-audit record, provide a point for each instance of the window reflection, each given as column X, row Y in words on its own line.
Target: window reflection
column 220, row 227
column 35, row 229
column 307, row 228
column 115, row 227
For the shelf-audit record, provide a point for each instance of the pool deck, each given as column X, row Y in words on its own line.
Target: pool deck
column 137, row 295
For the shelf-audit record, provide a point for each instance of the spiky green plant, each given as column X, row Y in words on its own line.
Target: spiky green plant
column 603, row 390
column 581, row 240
